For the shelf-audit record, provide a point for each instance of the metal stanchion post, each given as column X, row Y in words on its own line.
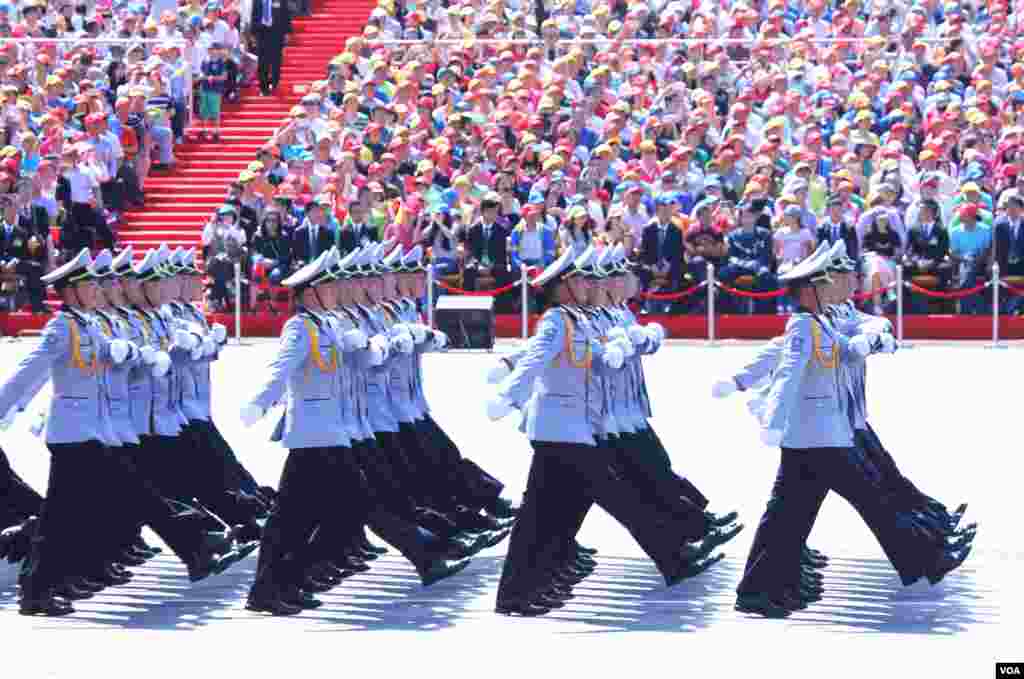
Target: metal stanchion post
column 525, row 292
column 238, row 303
column 995, row 308
column 430, row 295
column 899, row 308
column 711, row 304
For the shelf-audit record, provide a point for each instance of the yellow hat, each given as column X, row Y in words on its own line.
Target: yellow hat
column 255, row 166
column 245, row 177
column 970, row 187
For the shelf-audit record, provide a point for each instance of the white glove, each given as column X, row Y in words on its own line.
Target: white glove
column 627, row 347
column 353, row 340
column 219, row 332
column 637, row 334
column 861, row 345
column 418, row 331
column 39, row 425
column 250, row 414
column 771, row 437
column 379, row 349
column 497, row 373
column 162, row 364
column 148, row 354
column 497, row 408
column 119, row 351
column 617, row 333
column 723, row 388
column 658, row 329
column 440, row 340
column 7, row 420
column 185, row 339
column 209, row 346
column 614, row 356
column 889, row 344
column 402, row 343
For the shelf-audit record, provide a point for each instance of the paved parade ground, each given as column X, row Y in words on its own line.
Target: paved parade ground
column 952, row 417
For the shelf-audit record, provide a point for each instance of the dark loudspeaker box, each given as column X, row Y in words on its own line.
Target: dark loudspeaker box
column 468, row 321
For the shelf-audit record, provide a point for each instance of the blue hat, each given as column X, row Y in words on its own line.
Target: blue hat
column 668, row 198
column 974, row 172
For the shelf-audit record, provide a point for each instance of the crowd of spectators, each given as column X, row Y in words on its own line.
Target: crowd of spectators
column 499, row 133
column 728, row 134
column 84, row 122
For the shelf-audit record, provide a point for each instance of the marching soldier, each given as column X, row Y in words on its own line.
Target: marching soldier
column 304, row 376
column 468, row 482
column 933, row 547
column 571, row 464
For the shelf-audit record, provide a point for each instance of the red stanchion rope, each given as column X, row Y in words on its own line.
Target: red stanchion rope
column 861, row 296
column 478, row 293
column 751, row 294
column 955, row 294
column 1019, row 292
column 670, row 296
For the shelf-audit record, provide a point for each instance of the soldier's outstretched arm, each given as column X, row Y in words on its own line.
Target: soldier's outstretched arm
column 761, row 366
column 54, row 346
column 291, row 354
column 541, row 349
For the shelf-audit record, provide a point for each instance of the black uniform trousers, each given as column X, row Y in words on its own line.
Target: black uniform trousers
column 643, row 467
column 166, row 463
column 308, row 492
column 63, row 545
column 911, row 547
column 686, row 488
column 241, row 476
column 138, row 502
column 214, row 471
column 466, row 480
column 565, row 479
column 18, row 500
column 418, row 533
column 270, row 52
column 804, row 478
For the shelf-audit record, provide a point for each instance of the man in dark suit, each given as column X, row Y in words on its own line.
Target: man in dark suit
column 23, row 252
column 271, row 22
column 927, row 252
column 313, row 236
column 661, row 249
column 1008, row 238
column 486, row 246
column 356, row 230
column 833, row 228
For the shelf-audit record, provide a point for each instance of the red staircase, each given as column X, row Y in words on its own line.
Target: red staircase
column 179, row 202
